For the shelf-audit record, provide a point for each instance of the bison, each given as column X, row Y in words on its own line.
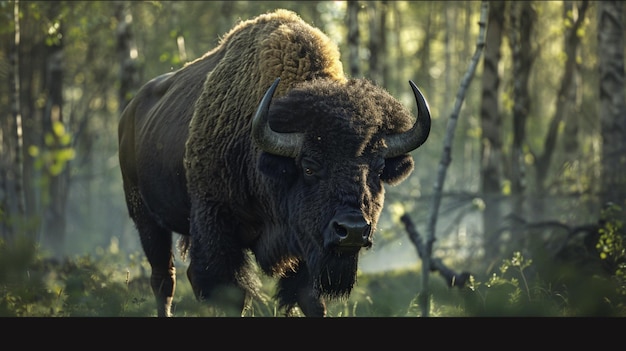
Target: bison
column 263, row 150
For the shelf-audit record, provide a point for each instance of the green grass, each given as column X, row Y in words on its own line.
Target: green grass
column 116, row 284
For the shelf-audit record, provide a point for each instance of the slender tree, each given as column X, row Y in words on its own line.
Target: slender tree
column 543, row 160
column 446, row 158
column 377, row 13
column 382, row 34
column 522, row 20
column 17, row 115
column 612, row 107
column 573, row 94
column 12, row 202
column 491, row 123
column 353, row 37
column 56, row 174
column 127, row 54
column 451, row 18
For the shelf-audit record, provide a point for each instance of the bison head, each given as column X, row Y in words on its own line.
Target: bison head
column 330, row 146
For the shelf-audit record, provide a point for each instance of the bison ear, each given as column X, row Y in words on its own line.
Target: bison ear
column 278, row 167
column 397, row 169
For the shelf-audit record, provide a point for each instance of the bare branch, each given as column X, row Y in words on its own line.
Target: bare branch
column 447, row 158
column 436, row 265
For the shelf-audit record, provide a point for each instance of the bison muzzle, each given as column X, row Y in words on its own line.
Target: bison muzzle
column 262, row 152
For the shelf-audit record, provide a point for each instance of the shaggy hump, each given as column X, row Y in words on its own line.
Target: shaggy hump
column 255, row 53
column 190, row 164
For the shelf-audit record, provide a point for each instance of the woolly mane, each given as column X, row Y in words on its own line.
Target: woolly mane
column 255, row 52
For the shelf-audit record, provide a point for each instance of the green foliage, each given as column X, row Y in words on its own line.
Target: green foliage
column 515, row 293
column 508, row 293
column 52, row 159
column 611, row 241
column 22, row 290
column 58, row 151
column 34, row 286
column 111, row 284
column 611, row 244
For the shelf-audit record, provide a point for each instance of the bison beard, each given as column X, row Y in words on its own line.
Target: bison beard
column 335, row 275
column 293, row 183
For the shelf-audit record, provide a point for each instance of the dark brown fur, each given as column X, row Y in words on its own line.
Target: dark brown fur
column 190, row 166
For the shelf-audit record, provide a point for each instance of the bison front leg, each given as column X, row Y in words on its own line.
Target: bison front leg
column 296, row 288
column 217, row 261
column 310, row 303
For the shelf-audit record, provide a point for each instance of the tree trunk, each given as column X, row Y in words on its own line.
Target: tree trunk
column 127, row 54
column 446, row 157
column 522, row 19
column 572, row 109
column 353, row 37
column 612, row 105
column 31, row 73
column 382, row 34
column 12, row 202
column 563, row 102
column 56, row 134
column 491, row 121
column 396, row 65
column 377, row 50
column 451, row 18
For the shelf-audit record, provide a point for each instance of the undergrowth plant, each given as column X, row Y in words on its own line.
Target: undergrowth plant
column 111, row 283
column 612, row 246
column 514, row 292
column 510, row 293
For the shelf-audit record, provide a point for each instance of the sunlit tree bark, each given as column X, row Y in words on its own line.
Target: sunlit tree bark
column 491, row 122
column 522, row 21
column 12, row 203
column 572, row 95
column 17, row 115
column 31, row 72
column 543, row 161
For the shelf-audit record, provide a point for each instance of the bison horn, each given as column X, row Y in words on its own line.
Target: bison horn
column 281, row 144
column 402, row 143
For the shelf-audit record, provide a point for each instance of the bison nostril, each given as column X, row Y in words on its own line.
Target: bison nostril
column 340, row 230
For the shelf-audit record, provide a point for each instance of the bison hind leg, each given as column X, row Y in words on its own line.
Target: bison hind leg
column 157, row 246
column 296, row 289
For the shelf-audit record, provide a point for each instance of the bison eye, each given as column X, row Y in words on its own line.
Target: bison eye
column 311, row 168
